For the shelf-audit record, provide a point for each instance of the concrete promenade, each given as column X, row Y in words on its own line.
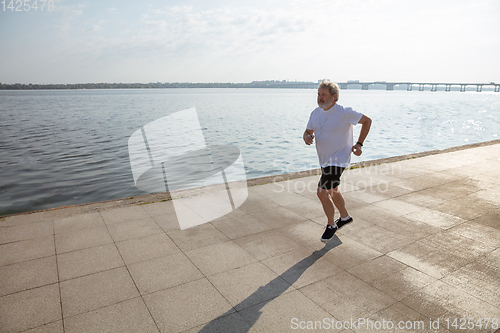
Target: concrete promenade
column 423, row 252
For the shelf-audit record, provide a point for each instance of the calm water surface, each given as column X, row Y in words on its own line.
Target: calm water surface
column 68, row 147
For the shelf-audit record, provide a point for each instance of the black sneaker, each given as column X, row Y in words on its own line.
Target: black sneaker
column 340, row 223
column 329, row 232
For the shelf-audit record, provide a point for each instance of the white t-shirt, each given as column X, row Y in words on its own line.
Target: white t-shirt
column 333, row 134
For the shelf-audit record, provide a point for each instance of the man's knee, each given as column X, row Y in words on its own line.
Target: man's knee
column 322, row 194
column 335, row 191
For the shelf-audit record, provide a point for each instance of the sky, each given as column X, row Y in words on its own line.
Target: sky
column 72, row 41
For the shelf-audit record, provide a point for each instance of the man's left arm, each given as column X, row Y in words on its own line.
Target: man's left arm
column 366, row 123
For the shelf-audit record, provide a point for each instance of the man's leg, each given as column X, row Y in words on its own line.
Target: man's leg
column 329, row 209
column 338, row 200
column 330, row 196
column 327, row 203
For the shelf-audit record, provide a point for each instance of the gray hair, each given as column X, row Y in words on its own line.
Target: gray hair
column 332, row 87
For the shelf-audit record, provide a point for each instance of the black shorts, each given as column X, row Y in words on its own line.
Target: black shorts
column 330, row 177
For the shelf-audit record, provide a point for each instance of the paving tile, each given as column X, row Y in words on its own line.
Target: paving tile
column 167, row 222
column 428, row 260
column 195, row 237
column 396, row 318
column 437, row 164
column 478, row 279
column 249, row 285
column 370, row 195
column 278, row 217
column 159, row 208
column 461, row 246
column 82, row 239
column 303, row 233
column 267, row 244
column 285, row 313
column 392, row 190
column 485, row 179
column 435, row 218
column 208, row 206
column 491, row 196
column 134, row 229
column 55, row 327
column 26, row 250
column 464, row 207
column 163, row 273
column 219, row 257
column 189, row 217
column 408, row 172
column 349, row 253
column 305, row 187
column 233, row 323
column 352, row 202
column 442, row 301
column 241, row 226
column 235, row 213
column 398, row 207
column 422, row 199
column 88, row 261
column 266, row 189
column 392, row 277
column 379, row 238
column 130, row 316
column 76, row 222
column 25, row 219
column 284, row 197
column 186, row 306
column 370, row 215
column 405, row 226
column 311, row 191
column 146, row 248
column 122, row 214
column 309, row 209
column 94, row 291
column 492, row 258
column 374, row 184
column 302, row 267
column 356, row 299
column 414, row 184
column 26, row 231
column 440, row 254
column 489, row 218
column 455, row 189
column 30, row 308
column 488, row 235
column 28, row 275
column 255, row 204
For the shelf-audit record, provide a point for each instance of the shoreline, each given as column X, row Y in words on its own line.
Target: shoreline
column 165, row 196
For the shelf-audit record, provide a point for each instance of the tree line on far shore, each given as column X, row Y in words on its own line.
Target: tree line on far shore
column 254, row 84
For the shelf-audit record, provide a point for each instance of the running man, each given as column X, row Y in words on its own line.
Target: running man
column 331, row 125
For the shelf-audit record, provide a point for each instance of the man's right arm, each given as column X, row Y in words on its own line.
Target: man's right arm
column 308, row 136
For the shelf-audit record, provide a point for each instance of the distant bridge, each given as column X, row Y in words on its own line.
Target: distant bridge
column 389, row 85
column 421, row 85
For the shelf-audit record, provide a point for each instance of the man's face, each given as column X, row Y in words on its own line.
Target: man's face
column 325, row 99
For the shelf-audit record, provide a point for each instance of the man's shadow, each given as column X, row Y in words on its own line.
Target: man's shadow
column 275, row 287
